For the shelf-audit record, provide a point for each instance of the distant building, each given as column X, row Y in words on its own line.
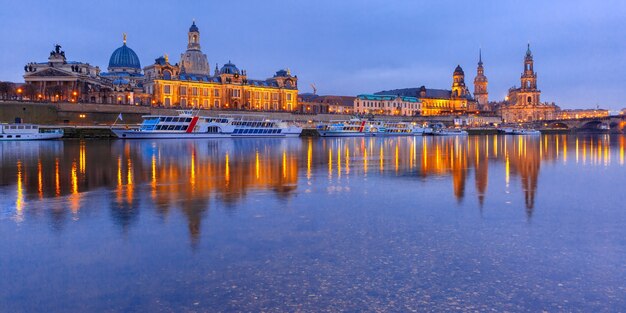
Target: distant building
column 189, row 84
column 125, row 78
column 312, row 103
column 581, row 113
column 458, row 100
column 523, row 104
column 61, row 80
column 387, row 105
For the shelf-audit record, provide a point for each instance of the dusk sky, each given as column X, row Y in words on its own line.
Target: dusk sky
column 346, row 47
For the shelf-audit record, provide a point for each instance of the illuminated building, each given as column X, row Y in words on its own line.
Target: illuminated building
column 441, row 101
column 523, row 104
column 124, row 78
column 62, row 80
column 189, row 84
column 480, row 86
column 387, row 105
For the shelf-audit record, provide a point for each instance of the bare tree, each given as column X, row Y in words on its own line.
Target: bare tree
column 7, row 90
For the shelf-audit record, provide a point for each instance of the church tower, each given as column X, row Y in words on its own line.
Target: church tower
column 458, row 83
column 480, row 84
column 193, row 61
column 529, row 94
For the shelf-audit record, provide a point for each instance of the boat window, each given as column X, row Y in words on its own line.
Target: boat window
column 171, row 127
column 279, row 131
column 9, row 136
column 188, row 120
column 168, row 119
column 18, row 136
column 185, row 127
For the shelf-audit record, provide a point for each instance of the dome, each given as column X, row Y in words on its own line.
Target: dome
column 124, row 57
column 194, row 28
column 458, row 70
column 229, row 68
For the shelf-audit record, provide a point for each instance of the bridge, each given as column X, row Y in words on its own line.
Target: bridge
column 615, row 123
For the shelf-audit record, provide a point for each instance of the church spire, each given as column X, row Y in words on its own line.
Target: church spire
column 480, row 56
column 528, row 53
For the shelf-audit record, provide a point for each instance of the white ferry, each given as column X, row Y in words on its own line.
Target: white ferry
column 350, row 128
column 387, row 128
column 13, row 132
column 189, row 125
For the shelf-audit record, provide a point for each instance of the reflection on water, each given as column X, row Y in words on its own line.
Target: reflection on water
column 499, row 223
column 187, row 175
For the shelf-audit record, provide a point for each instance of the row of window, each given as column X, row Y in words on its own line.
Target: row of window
column 257, row 131
column 235, row 93
column 171, row 127
column 11, row 136
column 21, row 127
column 253, row 124
column 377, row 104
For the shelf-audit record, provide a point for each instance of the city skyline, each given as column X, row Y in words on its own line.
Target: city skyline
column 341, row 50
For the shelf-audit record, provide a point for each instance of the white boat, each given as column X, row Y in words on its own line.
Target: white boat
column 387, row 128
column 14, row 132
column 350, row 128
column 519, row 131
column 188, row 125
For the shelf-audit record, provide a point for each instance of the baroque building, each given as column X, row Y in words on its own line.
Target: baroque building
column 61, row 80
column 480, row 86
column 457, row 100
column 523, row 104
column 189, row 84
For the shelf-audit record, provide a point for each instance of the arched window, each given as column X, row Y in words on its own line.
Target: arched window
column 530, row 99
column 167, row 74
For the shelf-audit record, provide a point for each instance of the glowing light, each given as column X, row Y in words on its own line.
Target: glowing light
column 309, row 159
column 227, row 169
column 19, row 199
column 119, row 171
column 82, row 157
column 57, row 178
column 257, row 165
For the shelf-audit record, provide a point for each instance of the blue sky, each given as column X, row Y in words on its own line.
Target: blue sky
column 346, row 47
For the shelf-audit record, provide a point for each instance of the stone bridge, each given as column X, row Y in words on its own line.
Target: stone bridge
column 614, row 123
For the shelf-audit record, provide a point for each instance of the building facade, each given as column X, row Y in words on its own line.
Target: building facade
column 61, row 80
column 524, row 104
column 189, row 84
column 387, row 105
column 457, row 100
column 581, row 113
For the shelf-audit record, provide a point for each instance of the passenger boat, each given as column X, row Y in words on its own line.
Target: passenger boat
column 13, row 132
column 188, row 125
column 350, row 128
column 386, row 128
column 519, row 131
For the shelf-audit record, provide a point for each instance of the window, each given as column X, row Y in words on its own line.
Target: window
column 167, row 101
column 183, row 102
column 216, row 103
column 216, row 92
column 205, row 92
column 194, row 91
column 274, row 96
column 288, row 97
column 183, row 90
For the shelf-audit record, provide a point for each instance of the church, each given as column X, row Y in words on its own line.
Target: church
column 457, row 100
column 523, row 104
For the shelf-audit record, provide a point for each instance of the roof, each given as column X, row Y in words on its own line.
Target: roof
column 124, row 57
column 380, row 97
column 415, row 92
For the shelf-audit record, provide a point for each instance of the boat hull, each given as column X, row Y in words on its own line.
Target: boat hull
column 27, row 137
column 133, row 134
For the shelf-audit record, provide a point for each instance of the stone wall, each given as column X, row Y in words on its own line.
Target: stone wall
column 105, row 114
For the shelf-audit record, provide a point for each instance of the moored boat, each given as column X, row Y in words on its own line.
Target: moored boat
column 15, row 132
column 188, row 125
column 519, row 131
column 350, row 128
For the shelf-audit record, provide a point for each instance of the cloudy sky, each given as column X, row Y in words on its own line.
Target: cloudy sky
column 346, row 47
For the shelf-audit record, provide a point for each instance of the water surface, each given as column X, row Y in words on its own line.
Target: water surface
column 283, row 225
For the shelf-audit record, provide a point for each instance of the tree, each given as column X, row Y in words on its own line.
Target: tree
column 30, row 91
column 7, row 90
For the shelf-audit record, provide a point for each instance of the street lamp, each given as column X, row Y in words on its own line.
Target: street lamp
column 19, row 93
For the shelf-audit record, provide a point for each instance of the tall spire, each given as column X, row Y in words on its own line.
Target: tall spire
column 480, row 56
column 528, row 53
